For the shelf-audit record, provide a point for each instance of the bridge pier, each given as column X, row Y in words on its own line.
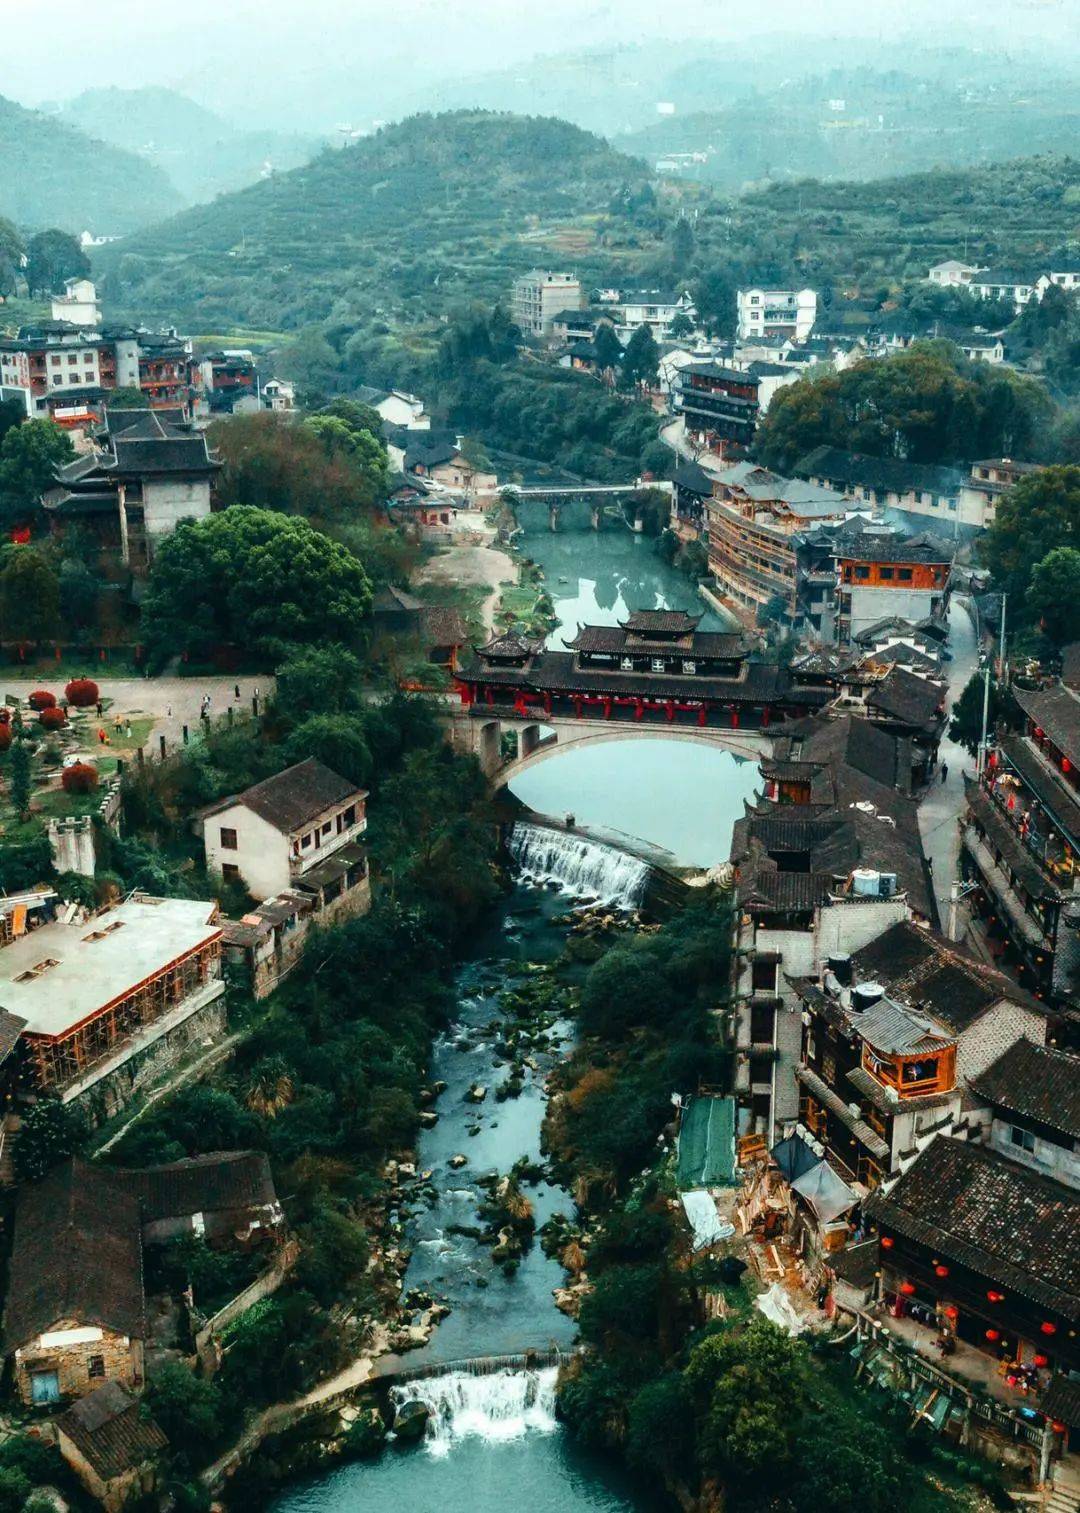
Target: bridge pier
column 594, row 516
column 528, row 739
column 479, row 738
column 554, row 511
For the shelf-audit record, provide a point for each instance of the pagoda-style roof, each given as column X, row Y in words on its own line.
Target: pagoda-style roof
column 510, row 646
column 660, row 622
column 614, row 639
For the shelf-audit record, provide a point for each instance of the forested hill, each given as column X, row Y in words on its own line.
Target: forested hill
column 408, row 217
column 52, row 174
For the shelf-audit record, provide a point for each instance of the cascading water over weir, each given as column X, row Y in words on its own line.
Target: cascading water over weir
column 488, row 1405
column 582, row 867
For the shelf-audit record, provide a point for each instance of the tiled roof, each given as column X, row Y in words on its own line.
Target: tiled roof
column 917, row 966
column 702, row 643
column 1004, row 840
column 904, row 697
column 1061, row 1400
column 1057, row 711
column 895, row 1031
column 1037, row 1083
column 202, row 1184
column 111, row 1429
column 1001, row 1220
column 77, row 1254
column 294, row 797
column 661, row 622
column 883, row 474
column 178, row 454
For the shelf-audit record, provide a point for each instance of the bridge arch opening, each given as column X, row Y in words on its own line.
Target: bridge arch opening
column 564, row 736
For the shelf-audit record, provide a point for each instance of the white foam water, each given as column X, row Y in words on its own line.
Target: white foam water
column 490, row 1405
column 581, row 867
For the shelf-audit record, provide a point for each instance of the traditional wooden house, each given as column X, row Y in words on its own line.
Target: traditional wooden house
column 112, row 1444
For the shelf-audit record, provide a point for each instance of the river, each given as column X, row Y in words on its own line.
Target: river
column 492, row 1436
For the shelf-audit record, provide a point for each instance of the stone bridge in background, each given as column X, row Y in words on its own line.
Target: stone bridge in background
column 480, row 731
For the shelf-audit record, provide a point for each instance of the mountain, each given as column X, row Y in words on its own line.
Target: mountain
column 203, row 154
column 866, row 124
column 52, row 174
column 408, row 220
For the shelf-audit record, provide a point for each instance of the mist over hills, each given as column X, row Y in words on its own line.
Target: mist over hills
column 52, row 174
column 202, row 153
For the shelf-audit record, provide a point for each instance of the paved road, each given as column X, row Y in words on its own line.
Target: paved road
column 944, row 802
column 172, row 703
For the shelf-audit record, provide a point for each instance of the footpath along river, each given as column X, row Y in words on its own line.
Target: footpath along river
column 493, row 1441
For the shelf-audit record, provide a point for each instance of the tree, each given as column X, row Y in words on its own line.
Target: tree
column 126, row 399
column 20, row 779
column 842, row 1465
column 29, row 596
column 1054, row 595
column 79, row 589
column 750, row 1387
column 11, row 256
column 660, row 1429
column 318, row 680
column 53, row 257
column 337, row 741
column 965, row 726
column 189, row 1410
column 255, row 578
column 681, row 325
column 319, row 468
column 50, row 1132
column 640, row 360
column 29, row 456
column 15, row 1488
column 608, row 347
column 1040, row 512
column 682, row 244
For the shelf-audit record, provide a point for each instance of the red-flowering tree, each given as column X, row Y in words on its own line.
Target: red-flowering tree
column 82, row 692
column 53, row 717
column 80, row 777
column 41, row 698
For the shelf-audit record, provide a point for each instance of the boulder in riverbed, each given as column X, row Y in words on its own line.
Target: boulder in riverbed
column 476, row 1094
column 410, row 1420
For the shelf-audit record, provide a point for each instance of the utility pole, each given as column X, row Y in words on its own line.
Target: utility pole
column 981, row 760
column 1002, row 680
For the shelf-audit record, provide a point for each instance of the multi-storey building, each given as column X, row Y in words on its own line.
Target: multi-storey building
column 853, row 576
column 916, row 488
column 538, row 297
column 755, row 519
column 719, row 405
column 301, row 828
column 654, row 308
column 775, row 313
column 65, row 371
column 1021, row 844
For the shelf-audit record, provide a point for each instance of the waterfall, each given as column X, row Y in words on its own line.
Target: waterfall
column 581, row 867
column 490, row 1405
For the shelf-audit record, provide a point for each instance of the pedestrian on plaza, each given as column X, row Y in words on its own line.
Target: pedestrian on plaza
column 100, row 709
column 168, row 711
column 101, row 735
column 236, row 692
column 944, row 771
column 127, row 730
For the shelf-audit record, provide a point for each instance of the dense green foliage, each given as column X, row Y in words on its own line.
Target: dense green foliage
column 928, row 404
column 1039, row 513
column 253, row 578
column 417, row 214
column 322, row 468
column 52, row 174
column 28, row 455
column 51, row 258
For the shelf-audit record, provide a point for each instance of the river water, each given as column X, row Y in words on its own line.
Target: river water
column 493, row 1440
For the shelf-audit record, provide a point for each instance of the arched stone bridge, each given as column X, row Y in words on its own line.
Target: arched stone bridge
column 480, row 731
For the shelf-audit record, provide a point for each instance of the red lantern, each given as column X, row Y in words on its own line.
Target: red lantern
column 995, row 1297
column 993, row 1334
column 951, row 1311
column 907, row 1288
column 1066, row 765
column 1042, row 1360
column 887, row 1242
column 1047, row 1327
column 1012, row 801
column 941, row 1271
column 1057, row 1426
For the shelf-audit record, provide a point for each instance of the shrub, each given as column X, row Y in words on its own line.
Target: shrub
column 41, row 698
column 52, row 716
column 80, row 777
column 82, row 692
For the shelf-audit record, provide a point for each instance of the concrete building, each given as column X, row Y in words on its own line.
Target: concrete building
column 301, row 828
column 538, row 297
column 98, row 1008
column 952, row 274
column 719, row 405
column 914, row 488
column 655, row 308
column 775, row 313
column 877, row 571
column 78, row 304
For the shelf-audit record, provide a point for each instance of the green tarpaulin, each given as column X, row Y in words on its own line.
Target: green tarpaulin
column 707, row 1143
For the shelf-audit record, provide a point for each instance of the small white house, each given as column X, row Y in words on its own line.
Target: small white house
column 952, row 274
column 78, row 305
column 295, row 828
column 788, row 313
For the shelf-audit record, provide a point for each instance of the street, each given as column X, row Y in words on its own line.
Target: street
column 944, row 802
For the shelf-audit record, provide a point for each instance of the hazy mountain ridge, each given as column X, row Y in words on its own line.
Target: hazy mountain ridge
column 202, row 153
column 457, row 201
column 52, row 174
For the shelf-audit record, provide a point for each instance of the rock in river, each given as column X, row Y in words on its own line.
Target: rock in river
column 410, row 1420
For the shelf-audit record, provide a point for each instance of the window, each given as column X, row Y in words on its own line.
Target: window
column 953, row 505
column 228, row 839
column 55, row 362
column 1023, row 1138
column 885, row 574
column 230, row 872
column 305, row 841
column 862, row 572
column 904, row 574
column 327, row 827
column 95, row 1366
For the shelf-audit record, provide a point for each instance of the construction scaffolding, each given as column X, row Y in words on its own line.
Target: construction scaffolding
column 61, row 1059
